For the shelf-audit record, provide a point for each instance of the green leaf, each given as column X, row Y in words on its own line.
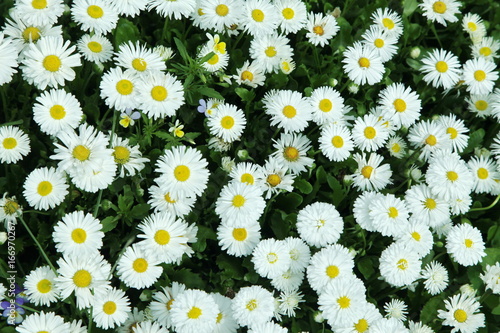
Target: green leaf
column 290, row 201
column 338, row 192
column 475, row 140
column 429, row 311
column 210, row 92
column 125, row 31
column 492, row 256
column 365, row 266
column 109, row 223
column 190, row 279
column 303, row 185
column 245, row 94
column 496, row 311
column 206, row 57
column 321, row 175
column 182, row 50
column 163, row 135
column 140, row 211
column 415, row 64
column 409, row 6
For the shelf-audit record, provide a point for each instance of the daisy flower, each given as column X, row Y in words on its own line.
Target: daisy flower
column 441, row 69
column 482, row 105
column 417, row 236
column 49, row 62
column 288, row 281
column 335, row 142
column 473, row 24
column 137, row 269
column 381, row 41
column 119, row 90
column 465, row 244
column 401, row 103
column 239, row 240
column 461, row 314
column 194, row 311
column 389, row 215
column 164, row 201
column 111, row 309
column 491, row 278
column 9, row 211
column 396, row 146
column 299, row 254
column 238, row 202
column 228, row 123
column 183, row 171
column 162, row 303
column 288, row 110
column 130, row 8
column 361, row 321
column 56, row 110
column 397, row 309
column 128, row 158
column 268, row 327
column 217, row 62
column 40, row 287
column 319, row 224
column 175, row 9
column 250, row 74
column 138, row 59
column 431, row 137
column 388, row 325
column 388, row 21
column 78, row 234
column 440, row 11
column 460, row 205
column 268, row 50
column 39, row 322
column 370, row 174
column 8, row 59
column 96, row 48
column 271, row 258
column 487, row 49
column 480, row 76
column 327, row 105
column 95, row 178
column 457, row 131
column 219, row 14
column 247, row 173
column 289, row 301
column 97, row 16
column 368, row 133
column 148, row 327
column 15, row 144
column 426, row 207
column 293, row 15
column 276, row 178
column 485, row 174
column 225, row 322
column 45, row 188
column 253, row 305
column 320, row 28
column 363, row 64
column 436, row 277
column 39, row 12
column 292, row 152
column 399, row 265
column 361, row 210
column 259, row 17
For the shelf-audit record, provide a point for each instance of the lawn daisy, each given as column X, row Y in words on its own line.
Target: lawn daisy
column 487, row 49
column 371, row 175
column 299, row 254
column 250, row 74
column 137, row 269
column 43, row 322
column 479, row 76
column 45, row 188
column 440, row 11
column 194, row 311
column 253, row 305
column 397, row 309
column 293, row 15
column 9, row 211
column 228, row 123
column 259, row 17
column 39, row 12
column 441, row 69
column 119, row 89
column 369, row 133
column 128, row 158
column 436, row 277
column 482, row 105
column 162, row 303
column 78, row 234
column 320, row 28
column 341, row 300
column 388, row 21
column 396, row 146
column 276, row 178
column 49, row 62
column 111, row 309
column 247, row 173
column 485, row 174
column 97, row 16
column 76, row 326
column 183, row 171
column 292, row 152
column 56, row 110
column 238, row 202
column 448, row 176
column 426, row 207
column 491, row 277
column 361, row 321
column 329, row 264
column 95, row 178
column 461, row 314
column 239, row 240
column 417, row 236
column 465, row 244
column 335, row 142
column 363, row 64
column 271, row 258
column 288, row 110
column 8, row 59
column 164, row 201
column 388, row 325
column 399, row 265
column 39, row 286
column 457, row 131
column 148, row 327
column 159, row 95
column 289, row 301
column 15, row 144
column 129, row 7
column 138, row 59
column 217, row 62
column 268, row 327
column 96, row 48
column 327, row 105
column 86, row 276
column 361, row 210
column 381, row 41
column 225, row 322
column 319, row 224
column 473, row 24
column 268, row 50
column 401, row 103
column 460, row 205
column 175, row 9
column 389, row 215
column 219, row 14
column 288, row 281
column 431, row 137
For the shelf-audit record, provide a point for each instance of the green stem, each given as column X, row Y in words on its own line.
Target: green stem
column 486, row 208
column 433, row 28
column 36, row 212
column 98, row 203
column 28, row 308
column 127, row 244
column 89, row 330
column 38, row 244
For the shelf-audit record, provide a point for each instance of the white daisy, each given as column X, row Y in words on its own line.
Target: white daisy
column 97, row 16
column 268, row 327
column 292, row 151
column 473, row 24
column 399, row 266
column 164, row 201
column 247, row 173
column 111, row 309
column 321, row 28
column 172, row 9
column 293, row 15
column 288, row 281
column 39, row 12
column 250, row 74
column 487, row 49
column 40, row 287
column 130, row 7
column 219, row 14
column 138, row 59
column 162, row 303
column 268, row 50
column 431, row 137
column 461, row 314
column 40, row 322
column 239, row 203
column 15, row 144
column 361, row 210
column 137, row 269
column 485, row 174
column 225, row 322
column 259, row 17
column 397, row 309
column 253, row 305
column 441, row 11
column 9, row 211
column 271, row 258
column 361, row 321
column 491, row 278
column 238, row 240
column 396, row 146
column 482, row 105
column 363, row 64
column 441, row 69
column 427, row 207
column 128, row 158
column 457, row 131
column 381, row 41
column 401, row 103
column 8, row 59
column 228, row 123
column 370, row 174
column 45, row 188
column 119, row 89
column 368, row 133
column 336, row 142
column 388, row 215
column 276, row 178
column 194, row 311
column 96, row 48
column 479, row 76
column 327, row 105
column 148, row 327
column 288, row 110
column 319, row 224
column 465, row 244
column 436, row 277
column 388, row 21
column 417, row 237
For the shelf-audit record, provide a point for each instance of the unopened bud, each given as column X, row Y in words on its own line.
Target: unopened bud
column 332, row 82
column 3, row 237
column 353, row 88
column 415, row 52
column 318, row 317
column 243, row 154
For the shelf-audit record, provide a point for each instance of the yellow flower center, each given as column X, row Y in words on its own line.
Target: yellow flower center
column 95, row 47
column 57, row 112
column 393, row 212
column 247, row 178
column 431, row 140
column 238, row 200
column 364, row 62
column 200, row 12
column 416, row 236
column 169, row 304
column 124, row 87
column 31, row 34
column 139, row 64
column 219, row 317
column 81, row 153
column 396, row 148
column 337, row 141
column 182, row 173
column 452, row 132
column 44, row 286
column 121, row 154
column 325, row 105
column 272, row 257
column 361, row 326
column 140, row 265
column 227, row 122
column 430, row 203
column 332, row 271
column 95, row 11
column 460, row 315
column 344, row 302
column 482, row 173
column 485, row 51
column 481, row 105
column 441, row 66
column 10, row 207
column 439, row 7
column 82, row 278
column 240, row 234
column 44, row 188
column 288, row 13
column 258, row 15
column 472, row 26
column 271, row 51
column 388, row 23
column 9, row 143
column 379, row 42
column 289, row 111
column 367, row 171
column 52, row 63
column 402, row 264
column 162, row 237
column 479, row 75
column 246, row 75
column 79, row 235
column 252, row 305
column 109, row 307
column 452, row 176
column 370, row 132
column 194, row 313
column 468, row 243
column 274, row 180
column 213, row 60
column 318, row 30
column 400, row 105
column 291, row 154
column 169, row 199
column 159, row 93
column 222, row 10
column 39, row 4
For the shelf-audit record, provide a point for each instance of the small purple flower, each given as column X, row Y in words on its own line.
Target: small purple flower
column 202, row 108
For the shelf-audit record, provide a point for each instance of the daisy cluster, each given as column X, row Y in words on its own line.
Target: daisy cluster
column 305, row 199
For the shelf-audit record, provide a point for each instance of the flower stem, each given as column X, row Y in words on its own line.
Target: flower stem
column 38, row 244
column 127, row 244
column 486, row 208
